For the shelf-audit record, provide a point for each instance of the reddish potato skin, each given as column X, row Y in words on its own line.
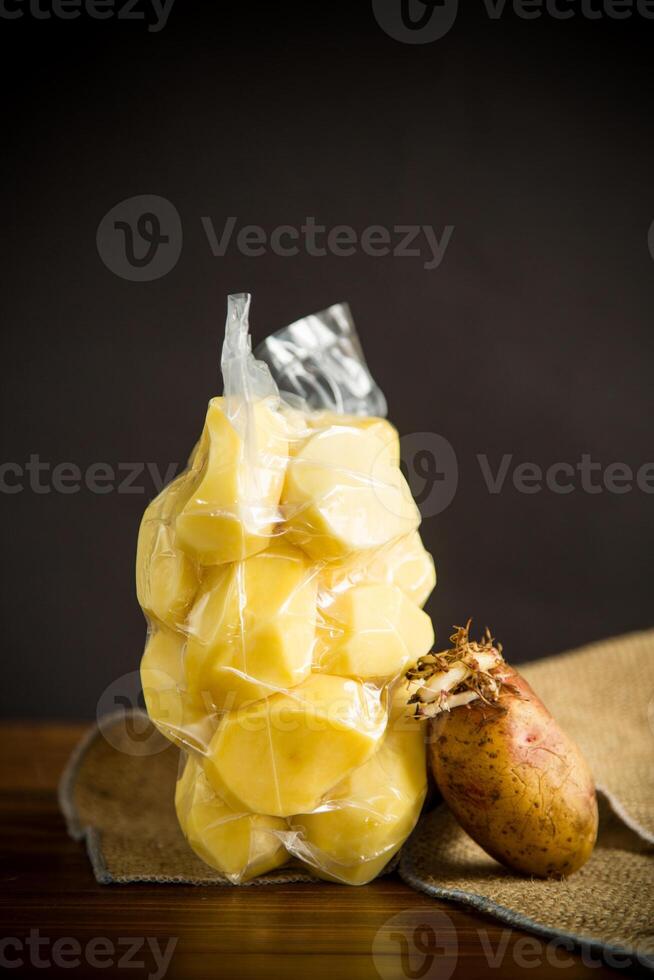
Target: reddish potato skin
column 515, row 782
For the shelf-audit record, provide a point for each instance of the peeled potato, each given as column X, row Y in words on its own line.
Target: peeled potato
column 281, row 754
column 404, row 562
column 407, row 564
column 343, row 494
column 166, row 579
column 251, row 630
column 366, row 818
column 176, row 713
column 382, row 428
column 515, row 782
column 371, row 631
column 232, row 510
column 239, row 845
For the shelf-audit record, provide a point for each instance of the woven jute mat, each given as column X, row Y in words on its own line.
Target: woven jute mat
column 117, row 794
column 118, row 788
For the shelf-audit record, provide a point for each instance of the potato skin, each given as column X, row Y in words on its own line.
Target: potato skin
column 515, row 782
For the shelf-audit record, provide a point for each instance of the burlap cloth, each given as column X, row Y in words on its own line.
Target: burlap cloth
column 121, row 803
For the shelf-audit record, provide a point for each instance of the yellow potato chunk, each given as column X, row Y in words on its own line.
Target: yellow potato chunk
column 166, row 579
column 342, row 494
column 407, row 564
column 251, row 631
column 302, row 425
column 371, row 631
column 232, row 510
column 381, row 428
column 239, row 845
column 365, row 820
column 281, row 755
column 404, row 562
column 170, row 706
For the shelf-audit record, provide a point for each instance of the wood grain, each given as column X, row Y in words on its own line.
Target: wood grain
column 287, row 931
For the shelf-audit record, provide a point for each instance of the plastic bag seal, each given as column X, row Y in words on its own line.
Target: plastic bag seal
column 318, row 363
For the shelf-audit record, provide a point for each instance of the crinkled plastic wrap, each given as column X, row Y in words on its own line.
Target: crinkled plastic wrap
column 319, row 360
column 283, row 577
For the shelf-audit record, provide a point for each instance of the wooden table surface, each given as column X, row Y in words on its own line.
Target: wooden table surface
column 54, row 912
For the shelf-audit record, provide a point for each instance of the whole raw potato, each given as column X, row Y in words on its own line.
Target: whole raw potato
column 516, row 783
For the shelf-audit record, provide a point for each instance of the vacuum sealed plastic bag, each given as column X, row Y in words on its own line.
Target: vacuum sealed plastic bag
column 283, row 578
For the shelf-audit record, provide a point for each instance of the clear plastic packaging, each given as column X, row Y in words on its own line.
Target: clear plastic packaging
column 319, row 360
column 283, row 577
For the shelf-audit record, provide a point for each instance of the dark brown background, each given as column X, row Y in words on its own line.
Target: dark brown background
column 534, row 337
